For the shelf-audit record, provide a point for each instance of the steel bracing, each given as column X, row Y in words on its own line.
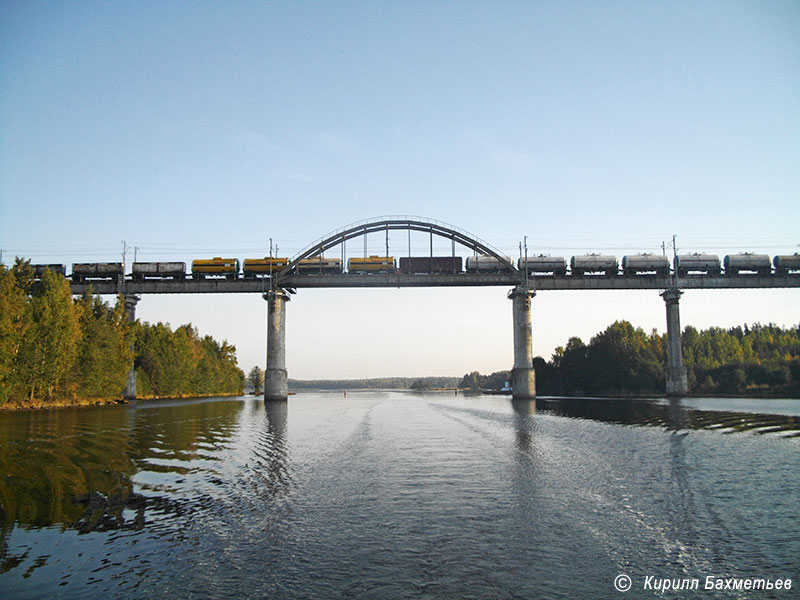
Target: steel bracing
column 394, row 223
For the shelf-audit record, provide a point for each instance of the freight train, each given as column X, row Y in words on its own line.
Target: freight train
column 587, row 265
column 96, row 272
column 371, row 264
column 158, row 270
column 412, row 265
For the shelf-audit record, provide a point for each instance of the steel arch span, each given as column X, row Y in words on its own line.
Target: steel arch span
column 394, row 223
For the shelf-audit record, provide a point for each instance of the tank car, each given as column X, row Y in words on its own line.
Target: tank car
column 487, row 264
column 430, row 264
column 556, row 265
column 371, row 264
column 263, row 267
column 633, row 264
column 594, row 263
column 697, row 263
column 747, row 261
column 215, row 267
column 97, row 271
column 787, row 263
column 320, row 264
column 38, row 270
column 158, row 270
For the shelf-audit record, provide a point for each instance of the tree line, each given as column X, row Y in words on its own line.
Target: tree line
column 623, row 359
column 182, row 363
column 54, row 348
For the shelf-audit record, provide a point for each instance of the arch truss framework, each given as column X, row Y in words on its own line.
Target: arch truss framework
column 395, row 223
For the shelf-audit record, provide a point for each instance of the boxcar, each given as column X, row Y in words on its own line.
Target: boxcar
column 430, row 264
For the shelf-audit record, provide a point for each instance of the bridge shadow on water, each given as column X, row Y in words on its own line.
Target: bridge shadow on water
column 671, row 414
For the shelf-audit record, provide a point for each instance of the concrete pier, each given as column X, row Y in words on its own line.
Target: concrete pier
column 276, row 378
column 523, row 378
column 129, row 393
column 677, row 384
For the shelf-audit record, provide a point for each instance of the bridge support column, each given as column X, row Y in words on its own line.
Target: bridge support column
column 129, row 393
column 523, row 378
column 276, row 378
column 677, row 384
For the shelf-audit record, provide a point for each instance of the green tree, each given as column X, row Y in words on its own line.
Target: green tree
column 16, row 321
column 572, row 367
column 52, row 345
column 256, row 379
column 104, row 356
column 497, row 380
column 471, row 381
column 181, row 363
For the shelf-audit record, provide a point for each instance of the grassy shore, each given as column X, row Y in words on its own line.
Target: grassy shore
column 37, row 404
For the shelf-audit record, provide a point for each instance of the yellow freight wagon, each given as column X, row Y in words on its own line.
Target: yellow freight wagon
column 255, row 267
column 372, row 264
column 215, row 267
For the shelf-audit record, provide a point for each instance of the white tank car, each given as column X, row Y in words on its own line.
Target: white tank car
column 707, row 264
column 557, row 265
column 786, row 263
column 747, row 261
column 594, row 263
column 487, row 263
column 645, row 263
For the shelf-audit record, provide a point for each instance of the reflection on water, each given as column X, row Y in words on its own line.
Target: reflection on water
column 65, row 467
column 270, row 456
column 387, row 495
column 671, row 414
column 95, row 470
column 523, row 409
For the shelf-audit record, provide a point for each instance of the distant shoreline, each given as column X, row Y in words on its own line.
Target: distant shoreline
column 761, row 395
column 89, row 402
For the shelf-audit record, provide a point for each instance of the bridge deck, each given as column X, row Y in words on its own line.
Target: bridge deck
column 392, row 280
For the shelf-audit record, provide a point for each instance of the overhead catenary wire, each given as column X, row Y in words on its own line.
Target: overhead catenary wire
column 398, row 243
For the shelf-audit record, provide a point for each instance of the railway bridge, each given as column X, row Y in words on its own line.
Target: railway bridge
column 277, row 286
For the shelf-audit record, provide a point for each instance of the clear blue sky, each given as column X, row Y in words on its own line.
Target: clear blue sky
column 198, row 129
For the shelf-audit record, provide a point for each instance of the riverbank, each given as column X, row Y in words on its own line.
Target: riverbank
column 189, row 396
column 37, row 404
column 760, row 394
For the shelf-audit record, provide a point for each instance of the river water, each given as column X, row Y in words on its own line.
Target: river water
column 395, row 495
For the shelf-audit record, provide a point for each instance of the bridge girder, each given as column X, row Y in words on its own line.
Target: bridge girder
column 380, row 224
